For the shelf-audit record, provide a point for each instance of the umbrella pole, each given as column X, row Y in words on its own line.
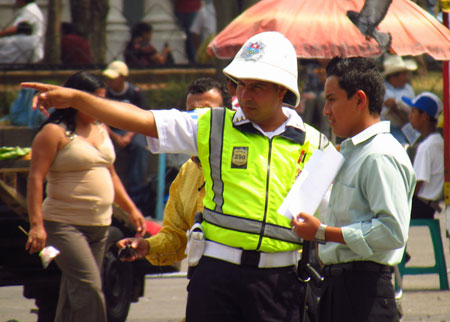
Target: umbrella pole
column 446, row 130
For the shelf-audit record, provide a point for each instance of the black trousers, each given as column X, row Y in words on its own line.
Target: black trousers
column 223, row 292
column 358, row 296
column 421, row 210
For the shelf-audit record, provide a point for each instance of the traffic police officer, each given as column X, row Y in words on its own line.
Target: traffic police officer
column 250, row 159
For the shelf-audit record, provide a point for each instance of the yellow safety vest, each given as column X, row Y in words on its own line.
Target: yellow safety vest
column 247, row 176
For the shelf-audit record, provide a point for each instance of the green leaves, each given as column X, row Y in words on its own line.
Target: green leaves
column 10, row 153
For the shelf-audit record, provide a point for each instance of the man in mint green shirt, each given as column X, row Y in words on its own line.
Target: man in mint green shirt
column 369, row 210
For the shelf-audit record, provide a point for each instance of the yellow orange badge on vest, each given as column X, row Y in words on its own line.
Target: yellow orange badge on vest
column 240, row 158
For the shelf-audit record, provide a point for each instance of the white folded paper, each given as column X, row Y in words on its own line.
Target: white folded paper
column 410, row 133
column 313, row 183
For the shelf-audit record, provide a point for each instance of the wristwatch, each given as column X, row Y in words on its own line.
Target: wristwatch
column 320, row 234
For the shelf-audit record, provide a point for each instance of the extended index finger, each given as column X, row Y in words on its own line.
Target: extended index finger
column 41, row 87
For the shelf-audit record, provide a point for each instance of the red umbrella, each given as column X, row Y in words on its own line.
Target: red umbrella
column 321, row 29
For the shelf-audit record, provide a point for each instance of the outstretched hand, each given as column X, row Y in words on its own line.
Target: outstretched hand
column 139, row 246
column 305, row 225
column 51, row 96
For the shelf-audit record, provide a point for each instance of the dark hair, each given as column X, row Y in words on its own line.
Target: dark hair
column 396, row 74
column 83, row 81
column 67, row 28
column 359, row 73
column 432, row 120
column 232, row 83
column 204, row 84
column 140, row 29
column 25, row 28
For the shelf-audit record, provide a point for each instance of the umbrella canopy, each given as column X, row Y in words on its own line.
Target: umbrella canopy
column 321, row 29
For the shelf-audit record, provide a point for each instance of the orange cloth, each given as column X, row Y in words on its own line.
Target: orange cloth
column 185, row 200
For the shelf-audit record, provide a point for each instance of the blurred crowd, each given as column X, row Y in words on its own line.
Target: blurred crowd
column 22, row 40
column 414, row 123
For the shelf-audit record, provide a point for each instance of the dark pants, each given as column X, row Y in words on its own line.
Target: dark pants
column 358, row 296
column 421, row 210
column 223, row 292
column 186, row 20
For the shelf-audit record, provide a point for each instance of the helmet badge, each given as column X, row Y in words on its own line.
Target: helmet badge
column 254, row 51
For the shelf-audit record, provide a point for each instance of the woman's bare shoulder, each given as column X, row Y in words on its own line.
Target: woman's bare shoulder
column 51, row 132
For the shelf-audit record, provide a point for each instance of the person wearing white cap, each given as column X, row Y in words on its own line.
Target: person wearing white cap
column 429, row 158
column 250, row 159
column 128, row 143
column 118, row 88
column 397, row 75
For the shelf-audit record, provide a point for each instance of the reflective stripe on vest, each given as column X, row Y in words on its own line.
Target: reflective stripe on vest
column 251, row 226
column 215, row 157
column 270, row 168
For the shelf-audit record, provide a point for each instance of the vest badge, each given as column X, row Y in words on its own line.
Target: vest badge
column 240, row 157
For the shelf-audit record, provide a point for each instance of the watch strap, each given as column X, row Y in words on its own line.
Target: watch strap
column 320, row 234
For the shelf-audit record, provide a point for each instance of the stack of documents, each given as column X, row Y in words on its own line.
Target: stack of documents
column 313, row 183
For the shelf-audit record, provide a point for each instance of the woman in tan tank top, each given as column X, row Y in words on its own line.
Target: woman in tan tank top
column 75, row 155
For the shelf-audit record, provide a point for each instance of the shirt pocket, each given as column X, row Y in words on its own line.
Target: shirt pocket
column 341, row 202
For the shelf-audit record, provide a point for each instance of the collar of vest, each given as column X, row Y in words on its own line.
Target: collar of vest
column 291, row 133
column 294, row 129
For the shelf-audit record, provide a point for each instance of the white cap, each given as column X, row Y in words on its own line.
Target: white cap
column 115, row 69
column 394, row 64
column 268, row 56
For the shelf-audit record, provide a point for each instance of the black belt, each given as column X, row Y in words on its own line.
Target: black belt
column 363, row 266
column 429, row 203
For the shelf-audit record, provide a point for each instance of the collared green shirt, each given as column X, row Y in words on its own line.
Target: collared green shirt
column 371, row 199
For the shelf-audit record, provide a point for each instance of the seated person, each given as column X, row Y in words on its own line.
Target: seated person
column 75, row 50
column 429, row 159
column 19, row 48
column 28, row 12
column 139, row 51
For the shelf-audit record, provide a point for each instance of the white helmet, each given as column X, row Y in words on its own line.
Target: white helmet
column 267, row 56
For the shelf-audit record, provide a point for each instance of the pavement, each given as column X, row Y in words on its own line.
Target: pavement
column 422, row 299
column 165, row 297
